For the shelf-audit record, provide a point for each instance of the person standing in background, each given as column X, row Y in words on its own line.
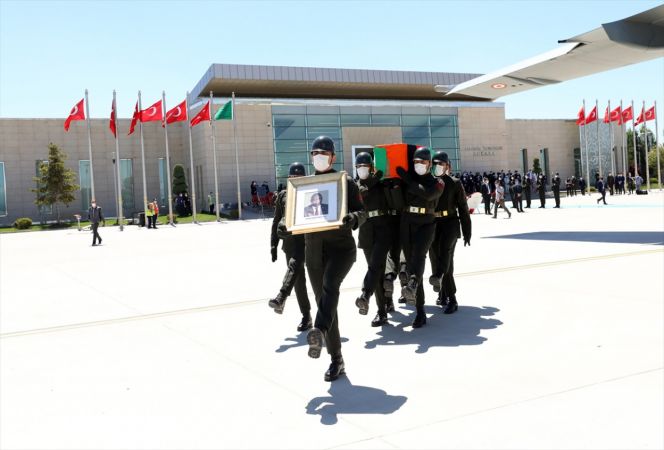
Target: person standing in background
column 95, row 216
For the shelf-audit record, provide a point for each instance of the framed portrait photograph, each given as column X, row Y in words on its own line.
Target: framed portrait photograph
column 316, row 203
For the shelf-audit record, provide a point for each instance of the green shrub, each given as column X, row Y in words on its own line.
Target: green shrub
column 23, row 223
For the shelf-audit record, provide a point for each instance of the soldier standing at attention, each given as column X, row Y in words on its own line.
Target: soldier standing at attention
column 541, row 189
column 529, row 190
column 418, row 226
column 293, row 247
column 555, row 185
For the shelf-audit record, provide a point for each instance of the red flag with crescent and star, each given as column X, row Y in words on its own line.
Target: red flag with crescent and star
column 177, row 114
column 77, row 113
column 203, row 114
column 641, row 118
column 592, row 116
column 627, row 114
column 613, row 116
column 650, row 114
column 151, row 114
column 581, row 117
column 134, row 119
column 111, row 123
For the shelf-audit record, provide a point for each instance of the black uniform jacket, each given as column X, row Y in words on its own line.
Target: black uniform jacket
column 373, row 196
column 453, row 201
column 280, row 216
column 423, row 191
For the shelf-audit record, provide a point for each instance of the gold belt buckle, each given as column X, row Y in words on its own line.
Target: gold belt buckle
column 444, row 213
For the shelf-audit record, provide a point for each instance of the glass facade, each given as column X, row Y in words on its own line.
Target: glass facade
column 84, row 183
column 3, row 190
column 296, row 126
column 127, row 180
column 163, row 185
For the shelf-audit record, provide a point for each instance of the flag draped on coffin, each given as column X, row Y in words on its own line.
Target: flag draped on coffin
column 203, row 114
column 225, row 112
column 77, row 113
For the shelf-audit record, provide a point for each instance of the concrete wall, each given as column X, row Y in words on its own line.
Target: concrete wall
column 483, row 139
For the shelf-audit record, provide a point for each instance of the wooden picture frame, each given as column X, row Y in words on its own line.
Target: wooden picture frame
column 316, row 203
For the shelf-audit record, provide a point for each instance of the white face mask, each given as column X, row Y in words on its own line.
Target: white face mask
column 363, row 173
column 321, row 162
column 420, row 169
column 438, row 170
column 94, row 205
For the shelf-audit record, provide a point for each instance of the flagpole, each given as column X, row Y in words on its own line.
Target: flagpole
column 657, row 145
column 214, row 159
column 117, row 162
column 87, row 120
column 237, row 163
column 191, row 169
column 623, row 141
column 145, row 187
column 636, row 160
column 585, row 137
column 611, row 152
column 168, row 161
column 645, row 138
column 599, row 150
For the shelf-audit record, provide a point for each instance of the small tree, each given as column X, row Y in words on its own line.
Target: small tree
column 536, row 166
column 179, row 180
column 55, row 183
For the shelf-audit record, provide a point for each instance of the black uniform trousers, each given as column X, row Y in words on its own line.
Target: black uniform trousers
column 556, row 196
column 487, row 204
column 394, row 257
column 327, row 271
column 95, row 233
column 378, row 240
column 441, row 253
column 542, row 198
column 519, row 203
column 417, row 234
column 293, row 247
column 528, row 195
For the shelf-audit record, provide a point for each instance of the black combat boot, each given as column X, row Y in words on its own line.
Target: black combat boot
column 402, row 299
column 315, row 340
column 380, row 319
column 278, row 303
column 306, row 323
column 420, row 319
column 409, row 291
column 362, row 303
column 389, row 305
column 336, row 369
column 441, row 300
column 451, row 306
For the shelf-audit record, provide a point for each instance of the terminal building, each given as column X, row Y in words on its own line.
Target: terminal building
column 279, row 112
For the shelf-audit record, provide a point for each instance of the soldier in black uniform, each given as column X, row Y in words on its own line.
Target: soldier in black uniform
column 518, row 195
column 395, row 265
column 451, row 210
column 375, row 237
column 555, row 186
column 486, row 195
column 418, row 226
column 329, row 257
column 541, row 189
column 528, row 188
column 293, row 247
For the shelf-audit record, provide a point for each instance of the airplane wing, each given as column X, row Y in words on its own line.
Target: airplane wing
column 628, row 41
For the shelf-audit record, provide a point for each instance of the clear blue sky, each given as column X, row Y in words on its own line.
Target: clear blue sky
column 50, row 51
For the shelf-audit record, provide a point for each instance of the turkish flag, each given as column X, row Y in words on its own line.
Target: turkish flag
column 592, row 116
column 177, row 114
column 641, row 118
column 77, row 113
column 614, row 116
column 581, row 117
column 650, row 114
column 152, row 114
column 135, row 118
column 111, row 123
column 627, row 114
column 203, row 114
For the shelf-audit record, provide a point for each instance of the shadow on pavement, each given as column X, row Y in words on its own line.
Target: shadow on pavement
column 609, row 237
column 298, row 341
column 460, row 328
column 346, row 398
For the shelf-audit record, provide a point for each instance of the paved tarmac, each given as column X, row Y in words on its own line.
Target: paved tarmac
column 163, row 339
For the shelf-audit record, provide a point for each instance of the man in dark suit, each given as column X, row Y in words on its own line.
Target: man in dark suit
column 317, row 207
column 601, row 188
column 95, row 216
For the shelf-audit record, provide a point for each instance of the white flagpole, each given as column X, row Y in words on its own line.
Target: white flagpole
column 237, row 163
column 636, row 159
column 145, row 187
column 645, row 138
column 659, row 174
column 611, row 152
column 191, row 169
column 117, row 162
column 214, row 159
column 87, row 120
column 599, row 150
column 169, row 195
column 623, row 141
column 585, row 137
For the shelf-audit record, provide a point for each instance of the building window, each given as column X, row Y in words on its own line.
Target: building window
column 3, row 190
column 127, row 181
column 163, row 185
column 84, row 183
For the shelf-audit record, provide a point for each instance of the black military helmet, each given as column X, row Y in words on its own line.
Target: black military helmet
column 363, row 158
column 422, row 153
column 323, row 143
column 441, row 156
column 296, row 170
